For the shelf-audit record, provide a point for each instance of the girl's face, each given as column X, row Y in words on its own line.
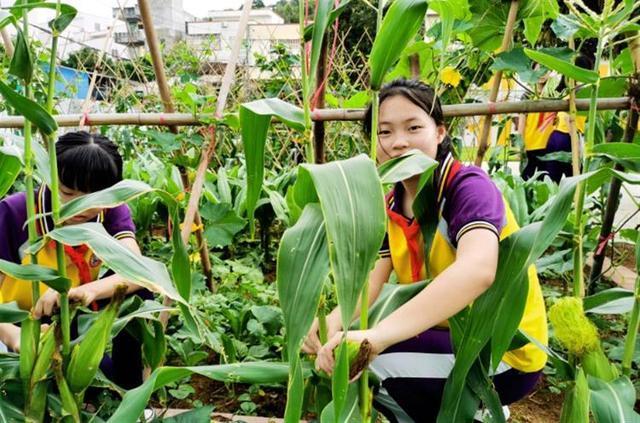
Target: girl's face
column 67, row 194
column 404, row 126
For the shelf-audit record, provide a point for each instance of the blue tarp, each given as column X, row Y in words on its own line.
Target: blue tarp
column 70, row 83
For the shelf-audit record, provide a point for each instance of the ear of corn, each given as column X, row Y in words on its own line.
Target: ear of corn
column 358, row 355
column 572, row 328
column 596, row 363
column 29, row 334
column 37, row 401
column 70, row 409
column 576, row 406
column 45, row 352
column 86, row 356
column 154, row 345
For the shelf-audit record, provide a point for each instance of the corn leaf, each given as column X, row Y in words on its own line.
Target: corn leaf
column 9, row 413
column 21, row 63
column 390, row 298
column 135, row 400
column 11, row 165
column 566, row 68
column 31, row 110
column 320, row 24
column 11, row 313
column 390, row 41
column 626, row 154
column 255, row 118
column 335, row 14
column 120, row 193
column 29, row 339
column 403, row 167
column 58, row 24
column 350, row 412
column 576, row 404
column 613, row 401
column 609, row 301
column 137, row 269
column 34, row 272
column 340, row 381
column 302, row 267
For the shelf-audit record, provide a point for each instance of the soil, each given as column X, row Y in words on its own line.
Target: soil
column 542, row 406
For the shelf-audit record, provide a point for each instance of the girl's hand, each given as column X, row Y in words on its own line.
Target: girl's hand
column 85, row 294
column 312, row 342
column 325, row 360
column 46, row 304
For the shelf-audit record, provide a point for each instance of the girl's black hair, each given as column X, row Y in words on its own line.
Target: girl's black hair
column 88, row 162
column 423, row 96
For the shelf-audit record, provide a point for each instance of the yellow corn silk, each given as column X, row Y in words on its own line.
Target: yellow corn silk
column 405, row 245
column 537, row 129
column 20, row 290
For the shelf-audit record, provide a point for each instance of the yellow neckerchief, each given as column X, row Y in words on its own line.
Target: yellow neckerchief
column 406, row 249
column 20, row 290
column 537, row 128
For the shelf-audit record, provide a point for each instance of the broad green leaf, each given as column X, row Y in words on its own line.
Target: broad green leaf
column 532, row 28
column 613, row 401
column 489, row 19
column 9, row 413
column 320, row 25
column 120, row 193
column 135, row 400
column 410, row 164
column 302, row 267
column 610, row 301
column 516, row 61
column 6, row 19
column 390, row 41
column 566, row 68
column 576, row 403
column 565, row 26
column 222, row 224
column 180, row 264
column 340, row 381
column 11, row 313
column 627, row 154
column 224, row 190
column 11, row 165
column 200, row 414
column 335, row 13
column 41, row 159
column 29, row 109
column 390, row 298
column 611, row 86
column 505, row 296
column 350, row 412
column 21, row 62
column 137, row 269
column 255, row 118
column 449, row 11
column 35, row 272
column 352, row 203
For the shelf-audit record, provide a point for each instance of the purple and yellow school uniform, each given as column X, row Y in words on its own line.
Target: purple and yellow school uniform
column 468, row 200
column 413, row 373
column 82, row 264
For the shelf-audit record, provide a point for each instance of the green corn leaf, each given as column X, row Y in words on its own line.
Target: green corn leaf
column 11, row 165
column 626, row 154
column 609, row 301
column 6, row 18
column 350, row 412
column 403, row 167
column 67, row 399
column 335, row 14
column 320, row 25
column 154, row 344
column 86, row 356
column 136, row 269
column 302, row 267
column 507, row 294
column 576, row 404
column 135, row 400
column 566, row 68
column 201, row 414
column 21, row 62
column 120, row 193
column 255, row 118
column 37, row 402
column 448, row 11
column 45, row 354
column 9, row 413
column 613, row 401
column 11, row 313
column 180, row 264
column 35, row 272
column 352, row 203
column 29, row 109
column 390, row 41
column 340, row 381
column 390, row 298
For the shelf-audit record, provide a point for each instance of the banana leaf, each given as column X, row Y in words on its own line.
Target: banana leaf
column 120, row 193
column 136, row 269
column 34, row 272
column 399, row 27
column 135, row 400
column 31, row 110
column 507, row 295
column 11, row 165
column 255, row 118
column 613, row 401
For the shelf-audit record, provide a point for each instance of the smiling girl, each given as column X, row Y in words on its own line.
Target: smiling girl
column 86, row 163
column 413, row 344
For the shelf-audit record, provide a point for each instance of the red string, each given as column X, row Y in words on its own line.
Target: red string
column 603, row 243
column 85, row 118
column 162, row 121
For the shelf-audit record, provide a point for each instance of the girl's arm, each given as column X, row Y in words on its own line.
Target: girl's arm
column 377, row 278
column 10, row 336
column 456, row 287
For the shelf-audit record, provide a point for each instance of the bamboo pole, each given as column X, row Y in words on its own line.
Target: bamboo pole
column 165, row 95
column 497, row 78
column 6, row 41
column 614, row 190
column 450, row 111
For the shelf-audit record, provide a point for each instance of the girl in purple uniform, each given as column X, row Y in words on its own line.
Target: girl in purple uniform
column 413, row 350
column 86, row 163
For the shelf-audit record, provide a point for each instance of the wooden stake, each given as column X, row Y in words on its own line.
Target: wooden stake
column 497, row 78
column 6, row 40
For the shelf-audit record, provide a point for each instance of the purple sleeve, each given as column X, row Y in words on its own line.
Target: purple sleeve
column 473, row 201
column 12, row 234
column 118, row 222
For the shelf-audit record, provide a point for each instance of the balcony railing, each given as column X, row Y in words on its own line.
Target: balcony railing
column 133, row 38
column 127, row 13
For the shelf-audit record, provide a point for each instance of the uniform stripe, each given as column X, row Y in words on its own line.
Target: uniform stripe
column 478, row 224
column 124, row 234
